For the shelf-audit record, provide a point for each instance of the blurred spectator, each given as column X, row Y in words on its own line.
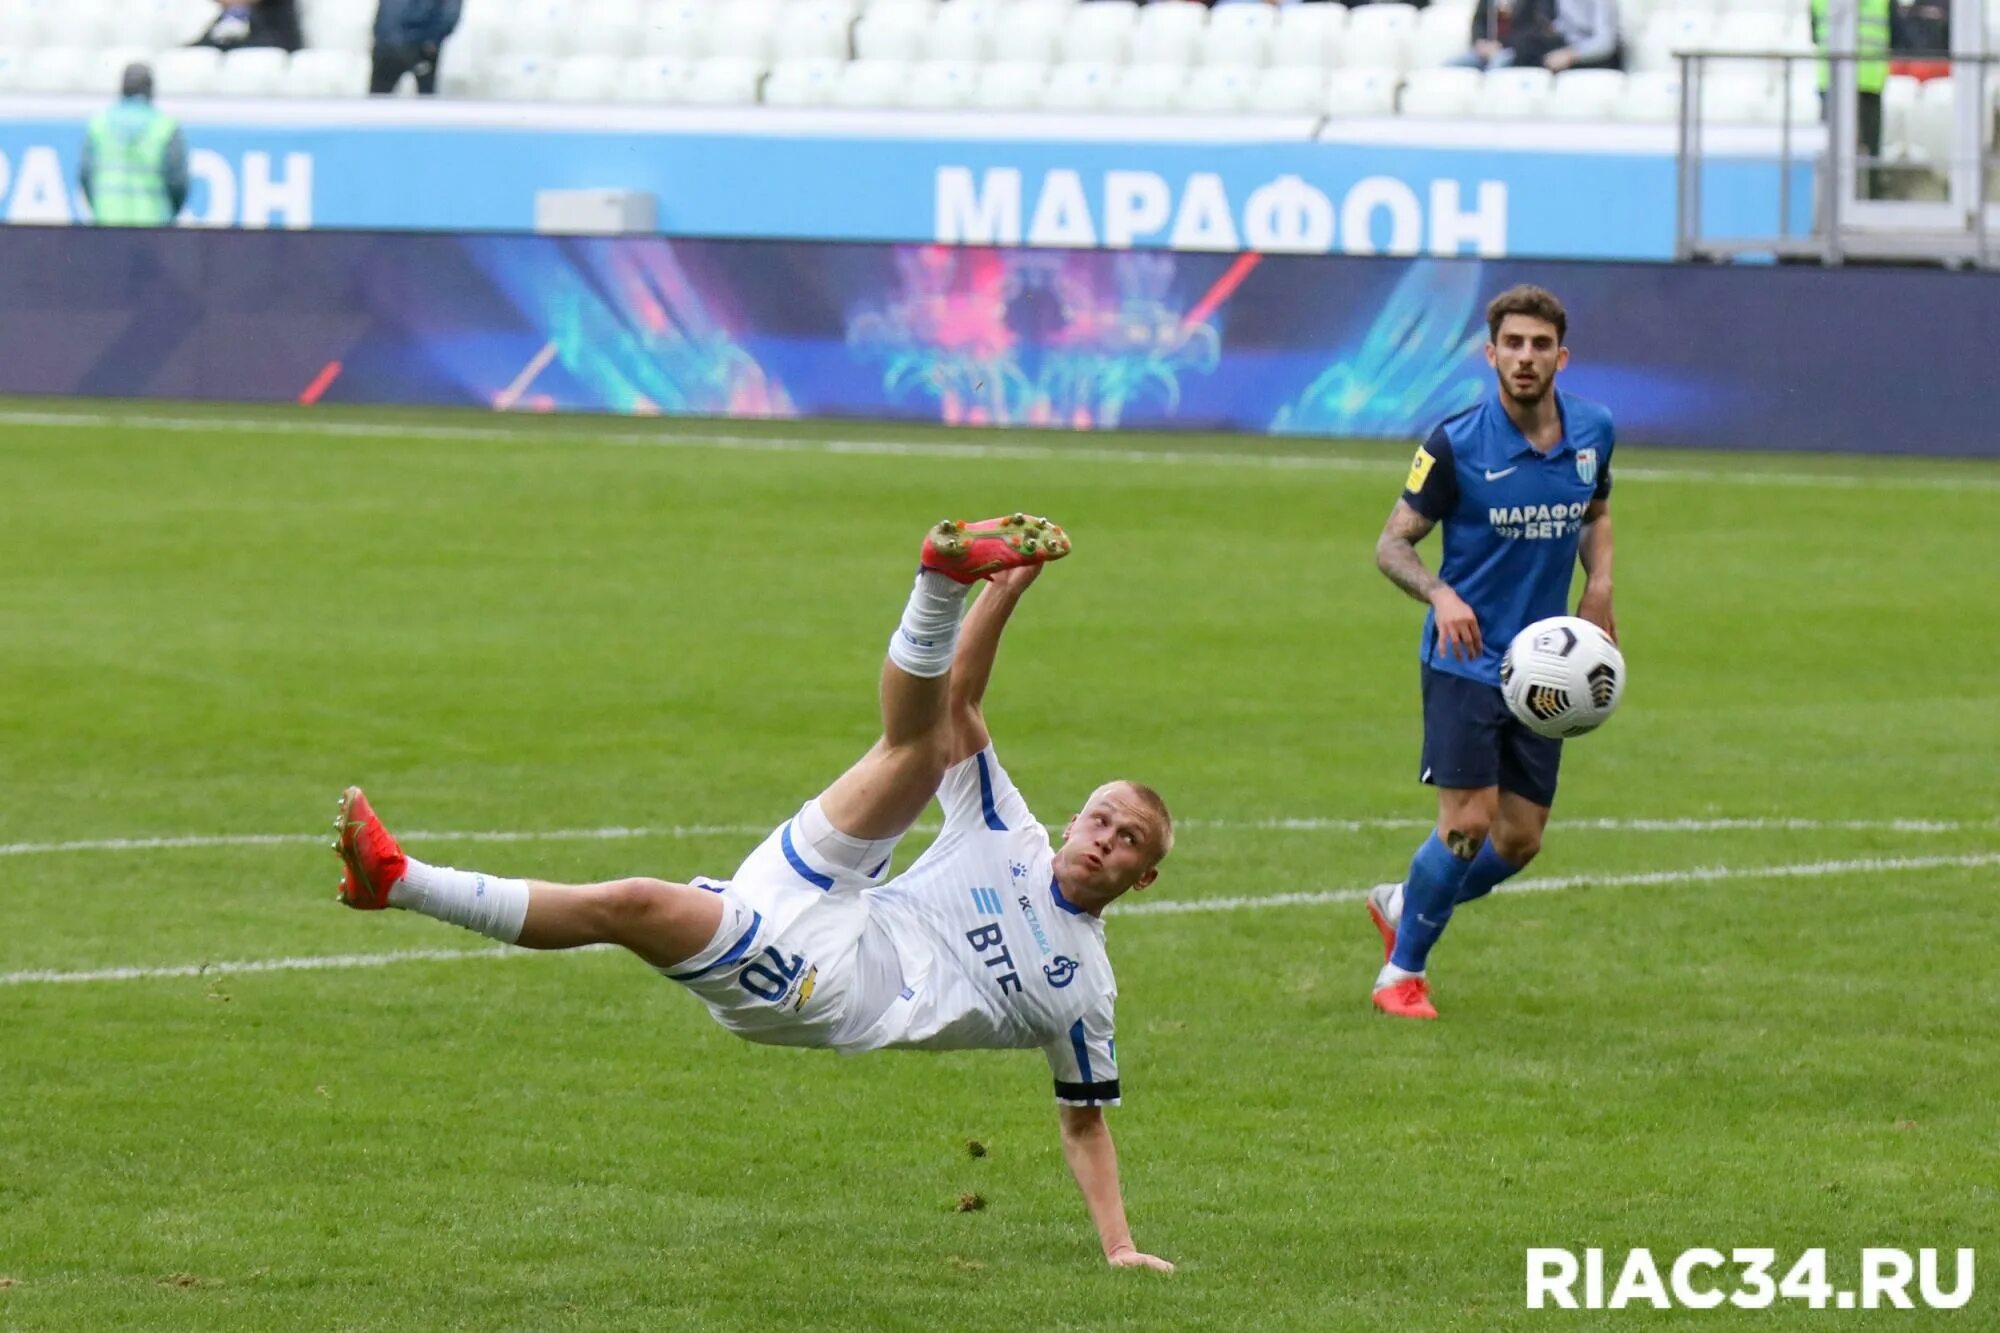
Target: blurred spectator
column 255, row 23
column 1872, row 22
column 409, row 35
column 1922, row 28
column 134, row 170
column 1554, row 34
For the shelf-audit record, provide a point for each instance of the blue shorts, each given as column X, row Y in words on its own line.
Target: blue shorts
column 1472, row 741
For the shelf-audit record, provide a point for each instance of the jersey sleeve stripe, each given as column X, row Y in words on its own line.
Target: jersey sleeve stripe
column 1081, row 1045
column 1087, row 1094
column 736, row 951
column 806, row 872
column 993, row 820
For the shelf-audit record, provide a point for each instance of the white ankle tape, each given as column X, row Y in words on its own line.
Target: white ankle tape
column 924, row 642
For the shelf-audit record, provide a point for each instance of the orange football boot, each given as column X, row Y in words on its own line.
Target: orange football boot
column 966, row 552
column 372, row 860
column 1408, row 998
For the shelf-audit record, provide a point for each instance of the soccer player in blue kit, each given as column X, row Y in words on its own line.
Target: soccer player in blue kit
column 1522, row 484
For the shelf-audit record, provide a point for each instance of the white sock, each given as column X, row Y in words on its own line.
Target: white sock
column 1391, row 974
column 924, row 643
column 494, row 907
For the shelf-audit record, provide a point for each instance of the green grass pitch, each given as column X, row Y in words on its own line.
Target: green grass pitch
column 512, row 630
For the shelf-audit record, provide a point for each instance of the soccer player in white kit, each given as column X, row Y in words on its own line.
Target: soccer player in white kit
column 993, row 938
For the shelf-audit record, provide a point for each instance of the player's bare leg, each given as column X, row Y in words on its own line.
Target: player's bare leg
column 1514, row 840
column 887, row 789
column 661, row 922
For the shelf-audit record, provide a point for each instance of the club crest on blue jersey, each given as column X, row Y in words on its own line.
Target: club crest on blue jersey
column 1061, row 972
column 1586, row 466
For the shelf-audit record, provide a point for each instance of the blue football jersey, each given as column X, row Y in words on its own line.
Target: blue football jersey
column 1512, row 517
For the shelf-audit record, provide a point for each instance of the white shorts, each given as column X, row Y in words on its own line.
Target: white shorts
column 797, row 960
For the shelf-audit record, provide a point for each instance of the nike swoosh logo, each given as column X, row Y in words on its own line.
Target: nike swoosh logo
column 1495, row 476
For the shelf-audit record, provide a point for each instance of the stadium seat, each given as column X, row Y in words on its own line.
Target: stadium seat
column 1442, row 94
column 874, row 84
column 1030, row 34
column 937, row 84
column 1374, row 47
column 902, row 34
column 920, row 12
column 1078, row 87
column 1173, row 34
column 1149, row 88
column 335, row 25
column 252, row 72
column 1379, row 17
column 1748, row 32
column 661, row 80
column 964, row 28
column 725, row 81
column 671, row 28
column 1443, row 32
column 1101, row 30
column 1361, row 91
column 13, row 67
column 1010, row 85
column 520, row 78
column 314, row 73
column 1653, row 96
column 88, row 25
column 1514, row 94
column 1309, row 36
column 1666, row 34
column 611, row 28
column 188, row 71
column 1933, row 136
column 588, row 78
column 59, row 69
column 1739, row 100
column 1293, row 90
column 1239, row 36
column 742, row 30
column 813, row 29
column 27, row 25
column 805, row 81
column 1220, row 89
column 106, row 68
column 1585, row 94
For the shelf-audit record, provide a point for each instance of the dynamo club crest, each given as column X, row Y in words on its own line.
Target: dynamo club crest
column 1586, row 466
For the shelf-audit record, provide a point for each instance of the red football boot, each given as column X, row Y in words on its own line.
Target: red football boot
column 1408, row 998
column 374, row 863
column 1381, row 899
column 970, row 551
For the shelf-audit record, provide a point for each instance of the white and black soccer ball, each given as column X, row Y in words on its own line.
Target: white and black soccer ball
column 1562, row 677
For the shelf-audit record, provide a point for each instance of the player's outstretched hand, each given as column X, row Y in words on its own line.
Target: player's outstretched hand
column 1127, row 1256
column 1458, row 627
column 1016, row 580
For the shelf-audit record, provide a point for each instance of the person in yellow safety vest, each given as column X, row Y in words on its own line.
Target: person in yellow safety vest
column 134, row 170
column 1871, row 66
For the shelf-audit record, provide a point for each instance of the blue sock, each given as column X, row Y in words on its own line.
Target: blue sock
column 1428, row 897
column 1488, row 869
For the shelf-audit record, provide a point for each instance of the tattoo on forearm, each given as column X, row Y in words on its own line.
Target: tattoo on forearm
column 1396, row 552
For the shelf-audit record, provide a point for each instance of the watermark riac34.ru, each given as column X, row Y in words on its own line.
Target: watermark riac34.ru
column 1749, row 1279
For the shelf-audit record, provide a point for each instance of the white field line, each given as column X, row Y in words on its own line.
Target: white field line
column 1065, row 453
column 681, row 831
column 1164, row 907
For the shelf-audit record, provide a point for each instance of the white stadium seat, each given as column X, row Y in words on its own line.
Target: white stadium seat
column 327, row 74
column 252, row 72
column 660, row 80
column 107, row 68
column 895, row 34
column 802, row 82
column 1441, row 94
column 1585, row 94
column 337, row 25
column 1078, row 87
column 725, row 81
column 922, row 11
column 1899, row 103
column 1932, row 133
column 1383, row 18
column 1309, row 36
column 1011, row 85
column 1295, row 90
column 742, row 30
column 1370, row 47
column 1668, row 33
column 520, row 78
column 587, row 78
column 937, row 84
column 871, row 83
column 1361, row 91
column 672, row 28
column 1220, row 89
column 1748, row 32
column 187, row 72
column 1514, row 94
column 1033, row 33
column 60, row 69
column 1148, row 88
column 1101, row 30
column 613, row 28
column 1740, row 100
column 962, row 31
column 1172, row 34
column 1651, row 96
column 28, row 24
column 89, row 24
column 1239, row 36
column 13, row 68
column 810, row 29
column 1442, row 32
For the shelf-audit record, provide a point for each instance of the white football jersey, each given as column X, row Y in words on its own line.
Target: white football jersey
column 992, row 954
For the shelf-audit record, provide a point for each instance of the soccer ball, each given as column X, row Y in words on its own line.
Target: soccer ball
column 1562, row 677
